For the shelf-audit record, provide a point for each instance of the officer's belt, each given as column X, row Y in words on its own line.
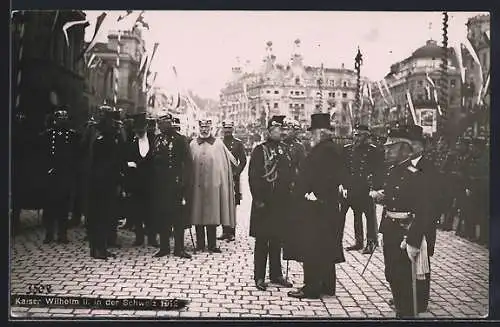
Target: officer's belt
column 398, row 215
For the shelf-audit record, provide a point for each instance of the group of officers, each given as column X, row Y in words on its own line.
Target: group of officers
column 300, row 196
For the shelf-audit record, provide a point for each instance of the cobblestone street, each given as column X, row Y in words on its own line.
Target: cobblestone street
column 221, row 285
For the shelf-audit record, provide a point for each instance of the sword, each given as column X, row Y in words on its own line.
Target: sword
column 414, row 286
column 369, row 259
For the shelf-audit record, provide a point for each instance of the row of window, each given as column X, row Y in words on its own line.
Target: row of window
column 332, row 94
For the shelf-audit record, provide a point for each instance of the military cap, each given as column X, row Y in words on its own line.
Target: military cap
column 276, row 121
column 205, row 122
column 320, row 121
column 292, row 123
column 227, row 123
column 361, row 127
column 167, row 116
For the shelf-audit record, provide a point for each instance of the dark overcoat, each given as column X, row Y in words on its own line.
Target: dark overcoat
column 270, row 199
column 315, row 232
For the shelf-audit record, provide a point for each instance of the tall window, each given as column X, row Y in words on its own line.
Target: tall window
column 297, row 81
column 344, row 95
column 276, row 92
column 275, row 105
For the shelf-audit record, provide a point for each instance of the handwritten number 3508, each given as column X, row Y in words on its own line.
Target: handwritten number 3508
column 39, row 289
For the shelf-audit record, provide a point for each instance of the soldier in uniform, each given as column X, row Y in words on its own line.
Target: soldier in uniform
column 60, row 146
column 172, row 182
column 408, row 223
column 295, row 145
column 238, row 150
column 139, row 177
column 107, row 161
column 270, row 178
column 365, row 163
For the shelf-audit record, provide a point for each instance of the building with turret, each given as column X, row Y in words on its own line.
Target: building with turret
column 293, row 89
column 100, row 87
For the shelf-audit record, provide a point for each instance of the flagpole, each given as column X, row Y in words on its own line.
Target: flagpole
column 117, row 72
column 19, row 60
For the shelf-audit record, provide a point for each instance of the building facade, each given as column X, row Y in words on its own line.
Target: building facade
column 100, row 73
column 47, row 71
column 417, row 74
column 295, row 90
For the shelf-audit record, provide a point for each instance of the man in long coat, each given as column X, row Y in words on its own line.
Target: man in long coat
column 318, row 223
column 139, row 179
column 270, row 174
column 172, row 179
column 409, row 221
column 213, row 200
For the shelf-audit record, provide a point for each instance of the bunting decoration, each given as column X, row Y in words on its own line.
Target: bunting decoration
column 117, row 71
column 125, row 16
column 19, row 60
column 97, row 63
column 386, row 86
column 475, row 57
column 140, row 20
column 351, row 115
column 370, row 97
column 68, row 25
column 91, row 60
column 412, row 109
column 379, row 85
column 358, row 61
column 92, row 42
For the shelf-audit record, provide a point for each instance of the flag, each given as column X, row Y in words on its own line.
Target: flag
column 155, row 47
column 412, row 109
column 370, row 94
column 387, row 89
column 429, row 79
column 458, row 53
column 382, row 92
column 68, row 25
column 92, row 42
column 56, row 16
column 177, row 84
column 473, row 53
column 126, row 15
column 141, row 21
column 438, row 106
column 91, row 60
column 485, row 89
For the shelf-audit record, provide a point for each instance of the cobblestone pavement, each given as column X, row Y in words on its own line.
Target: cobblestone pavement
column 221, row 285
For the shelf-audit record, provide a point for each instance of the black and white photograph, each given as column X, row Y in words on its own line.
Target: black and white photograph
column 266, row 165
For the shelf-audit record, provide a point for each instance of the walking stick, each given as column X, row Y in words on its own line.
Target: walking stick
column 414, row 287
column 370, row 258
column 192, row 239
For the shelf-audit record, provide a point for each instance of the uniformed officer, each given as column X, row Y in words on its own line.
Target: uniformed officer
column 60, row 151
column 291, row 138
column 139, row 177
column 172, row 176
column 270, row 178
column 107, row 162
column 408, row 223
column 238, row 150
column 365, row 163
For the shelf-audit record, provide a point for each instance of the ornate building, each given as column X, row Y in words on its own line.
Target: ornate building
column 100, row 86
column 417, row 74
column 45, row 63
column 294, row 89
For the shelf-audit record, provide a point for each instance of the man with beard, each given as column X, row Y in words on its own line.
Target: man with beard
column 107, row 162
column 317, row 218
column 172, row 179
column 238, row 151
column 365, row 164
column 213, row 201
column 270, row 178
column 409, row 221
column 139, row 177
column 60, row 150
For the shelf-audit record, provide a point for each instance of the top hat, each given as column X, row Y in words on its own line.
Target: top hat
column 276, row 121
column 140, row 121
column 320, row 121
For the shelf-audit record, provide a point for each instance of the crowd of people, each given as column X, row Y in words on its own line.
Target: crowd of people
column 301, row 191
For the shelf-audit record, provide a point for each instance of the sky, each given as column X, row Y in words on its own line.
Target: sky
column 204, row 45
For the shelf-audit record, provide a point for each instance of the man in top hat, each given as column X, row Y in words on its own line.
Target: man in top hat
column 59, row 159
column 409, row 223
column 366, row 164
column 270, row 177
column 172, row 162
column 238, row 151
column 317, row 223
column 107, row 164
column 213, row 201
column 139, row 179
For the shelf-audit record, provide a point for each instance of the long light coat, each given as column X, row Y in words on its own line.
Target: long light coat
column 213, row 199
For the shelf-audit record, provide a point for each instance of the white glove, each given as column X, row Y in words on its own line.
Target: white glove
column 132, row 164
column 312, row 197
column 467, row 192
column 377, row 195
column 183, row 202
column 381, row 240
column 412, row 252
